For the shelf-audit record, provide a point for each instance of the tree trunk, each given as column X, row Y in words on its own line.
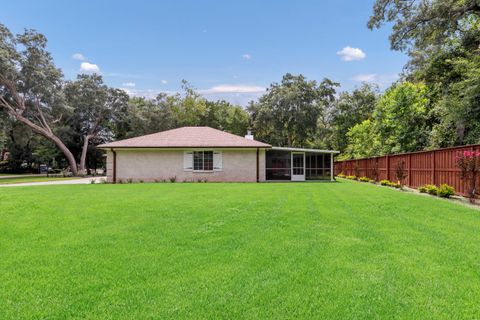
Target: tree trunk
column 83, row 158
column 50, row 136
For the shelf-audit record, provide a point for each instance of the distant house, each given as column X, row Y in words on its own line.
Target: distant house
column 204, row 153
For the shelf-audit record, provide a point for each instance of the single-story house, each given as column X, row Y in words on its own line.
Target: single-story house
column 204, row 153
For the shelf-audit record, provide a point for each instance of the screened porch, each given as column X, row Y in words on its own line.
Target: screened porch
column 298, row 164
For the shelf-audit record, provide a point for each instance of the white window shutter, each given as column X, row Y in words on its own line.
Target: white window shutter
column 188, row 160
column 217, row 161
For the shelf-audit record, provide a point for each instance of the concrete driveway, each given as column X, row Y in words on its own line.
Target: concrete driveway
column 49, row 183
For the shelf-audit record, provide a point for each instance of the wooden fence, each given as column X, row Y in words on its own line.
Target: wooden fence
column 423, row 167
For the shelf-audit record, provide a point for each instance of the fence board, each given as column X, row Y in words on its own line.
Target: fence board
column 423, row 167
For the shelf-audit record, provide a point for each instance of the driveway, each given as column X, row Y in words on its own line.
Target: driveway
column 49, row 183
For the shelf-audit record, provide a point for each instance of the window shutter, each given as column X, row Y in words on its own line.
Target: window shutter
column 217, row 161
column 188, row 160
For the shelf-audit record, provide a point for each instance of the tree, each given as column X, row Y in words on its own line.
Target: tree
column 352, row 108
column 362, row 141
column 31, row 86
column 289, row 113
column 401, row 118
column 421, row 24
column 95, row 106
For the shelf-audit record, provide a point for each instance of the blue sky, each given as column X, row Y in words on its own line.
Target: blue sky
column 225, row 49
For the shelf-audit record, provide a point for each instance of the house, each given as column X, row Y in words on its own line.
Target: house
column 204, row 153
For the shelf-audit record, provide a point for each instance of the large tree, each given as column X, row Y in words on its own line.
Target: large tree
column 31, row 86
column 350, row 109
column 290, row 112
column 95, row 106
column 419, row 24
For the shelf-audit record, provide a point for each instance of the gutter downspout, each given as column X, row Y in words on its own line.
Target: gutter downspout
column 114, row 169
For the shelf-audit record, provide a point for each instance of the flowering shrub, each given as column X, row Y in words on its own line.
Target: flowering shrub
column 469, row 164
column 341, row 175
column 364, row 179
column 351, row 177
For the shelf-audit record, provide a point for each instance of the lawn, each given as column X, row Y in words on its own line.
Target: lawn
column 341, row 250
column 19, row 179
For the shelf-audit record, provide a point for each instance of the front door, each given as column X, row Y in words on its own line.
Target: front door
column 298, row 166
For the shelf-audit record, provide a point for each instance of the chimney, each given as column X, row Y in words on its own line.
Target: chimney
column 249, row 135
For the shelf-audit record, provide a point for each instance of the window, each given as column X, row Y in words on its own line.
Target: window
column 203, row 160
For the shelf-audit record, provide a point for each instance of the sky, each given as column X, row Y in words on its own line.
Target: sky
column 229, row 50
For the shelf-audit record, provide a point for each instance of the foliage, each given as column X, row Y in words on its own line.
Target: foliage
column 31, row 86
column 364, row 179
column 422, row 189
column 291, row 112
column 362, row 141
column 431, row 189
column 445, row 191
column 424, row 24
column 351, row 177
column 469, row 164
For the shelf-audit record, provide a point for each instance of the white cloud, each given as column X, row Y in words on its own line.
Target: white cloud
column 350, row 54
column 164, row 81
column 247, row 56
column 87, row 67
column 129, row 84
column 78, row 56
column 228, row 88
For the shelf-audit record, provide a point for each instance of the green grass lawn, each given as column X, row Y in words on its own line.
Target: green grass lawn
column 209, row 251
column 31, row 179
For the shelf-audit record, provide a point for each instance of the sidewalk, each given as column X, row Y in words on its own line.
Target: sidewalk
column 60, row 182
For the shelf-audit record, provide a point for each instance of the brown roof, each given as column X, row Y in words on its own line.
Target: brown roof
column 187, row 137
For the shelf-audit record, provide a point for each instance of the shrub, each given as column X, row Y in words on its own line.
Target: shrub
column 351, row 177
column 341, row 175
column 384, row 182
column 364, row 179
column 422, row 189
column 445, row 191
column 395, row 185
column 92, row 181
column 372, row 181
column 173, row 179
column 129, row 180
column 431, row 189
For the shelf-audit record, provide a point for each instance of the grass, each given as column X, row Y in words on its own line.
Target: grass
column 209, row 251
column 15, row 180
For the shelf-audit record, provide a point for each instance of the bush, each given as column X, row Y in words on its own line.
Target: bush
column 384, row 182
column 431, row 189
column 364, row 179
column 173, row 179
column 445, row 191
column 372, row 181
column 129, row 180
column 423, row 189
column 395, row 185
column 351, row 177
column 341, row 175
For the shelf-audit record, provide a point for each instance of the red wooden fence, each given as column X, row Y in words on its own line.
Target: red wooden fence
column 423, row 167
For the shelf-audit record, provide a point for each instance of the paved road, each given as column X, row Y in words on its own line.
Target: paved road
column 49, row 183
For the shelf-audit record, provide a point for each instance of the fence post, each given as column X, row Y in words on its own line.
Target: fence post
column 433, row 166
column 409, row 169
column 388, row 167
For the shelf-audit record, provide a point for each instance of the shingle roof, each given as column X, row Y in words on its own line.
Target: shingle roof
column 187, row 137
